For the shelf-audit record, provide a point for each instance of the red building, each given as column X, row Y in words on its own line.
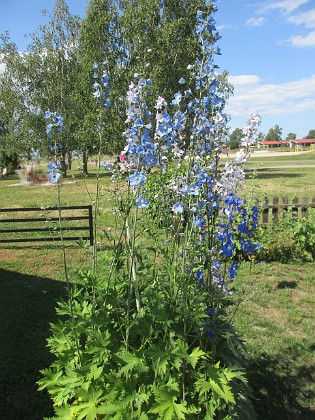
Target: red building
column 270, row 143
column 291, row 143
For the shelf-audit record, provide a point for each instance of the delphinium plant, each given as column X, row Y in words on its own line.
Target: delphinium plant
column 150, row 337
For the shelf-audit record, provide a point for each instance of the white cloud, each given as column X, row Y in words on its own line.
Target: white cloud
column 300, row 41
column 290, row 98
column 255, row 21
column 306, row 18
column 244, row 80
column 287, row 6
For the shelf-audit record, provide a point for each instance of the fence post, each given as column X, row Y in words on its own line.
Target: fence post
column 304, row 207
column 265, row 211
column 295, row 208
column 285, row 207
column 275, row 208
column 91, row 225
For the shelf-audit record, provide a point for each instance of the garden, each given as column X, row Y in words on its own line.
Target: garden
column 274, row 305
column 184, row 306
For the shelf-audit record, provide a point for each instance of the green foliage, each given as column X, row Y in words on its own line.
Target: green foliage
column 235, row 138
column 11, row 161
column 161, row 202
column 291, row 136
column 311, row 134
column 274, row 133
column 41, row 80
column 288, row 239
column 141, row 364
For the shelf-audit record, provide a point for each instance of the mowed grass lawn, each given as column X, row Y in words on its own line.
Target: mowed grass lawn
column 275, row 316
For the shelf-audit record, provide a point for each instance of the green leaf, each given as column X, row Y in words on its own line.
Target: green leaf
column 160, row 358
column 51, row 377
column 231, row 373
column 195, row 355
column 166, row 407
column 88, row 410
column 132, row 363
column 217, row 382
column 65, row 412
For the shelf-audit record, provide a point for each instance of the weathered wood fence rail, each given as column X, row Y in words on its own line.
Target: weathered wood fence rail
column 79, row 220
column 275, row 210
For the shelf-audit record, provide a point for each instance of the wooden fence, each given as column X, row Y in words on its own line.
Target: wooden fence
column 276, row 210
column 80, row 220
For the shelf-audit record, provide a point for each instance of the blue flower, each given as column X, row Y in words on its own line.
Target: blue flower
column 53, row 174
column 228, row 249
column 198, row 276
column 138, row 178
column 192, row 189
column 138, row 123
column 53, row 177
column 164, row 129
column 181, row 81
column 49, row 128
column 211, row 334
column 178, row 208
column 106, row 103
column 233, row 270
column 142, row 203
column 149, row 160
column 177, row 98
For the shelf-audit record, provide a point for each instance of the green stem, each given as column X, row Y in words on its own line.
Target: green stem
column 131, row 246
column 65, row 266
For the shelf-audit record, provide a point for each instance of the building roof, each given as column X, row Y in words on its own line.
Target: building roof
column 279, row 142
column 299, row 141
column 270, row 142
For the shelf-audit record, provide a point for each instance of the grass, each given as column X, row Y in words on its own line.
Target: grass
column 283, row 176
column 275, row 319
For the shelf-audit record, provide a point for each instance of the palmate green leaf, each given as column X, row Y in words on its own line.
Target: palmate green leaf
column 231, row 373
column 160, row 358
column 195, row 355
column 107, row 408
column 89, row 409
column 217, row 382
column 166, row 407
column 172, row 384
column 65, row 412
column 51, row 377
column 132, row 363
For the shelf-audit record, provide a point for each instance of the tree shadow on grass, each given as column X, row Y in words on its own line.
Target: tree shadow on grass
column 270, row 173
column 27, row 307
column 281, row 390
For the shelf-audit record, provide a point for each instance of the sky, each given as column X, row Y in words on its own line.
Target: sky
column 268, row 49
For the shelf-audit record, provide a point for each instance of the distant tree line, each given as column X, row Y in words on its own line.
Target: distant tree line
column 274, row 133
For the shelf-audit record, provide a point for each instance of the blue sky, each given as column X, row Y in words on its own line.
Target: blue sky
column 268, row 48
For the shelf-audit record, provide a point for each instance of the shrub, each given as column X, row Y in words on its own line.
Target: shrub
column 288, row 239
